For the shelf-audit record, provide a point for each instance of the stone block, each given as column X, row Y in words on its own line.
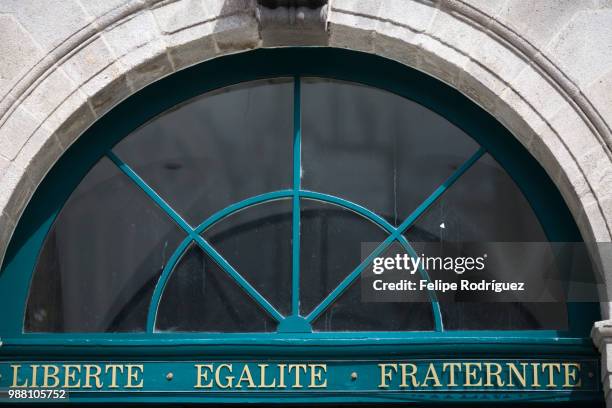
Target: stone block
column 190, row 46
column 49, row 22
column 351, row 31
column 396, row 47
column 532, row 85
column 539, row 21
column 38, row 155
column 176, row 16
column 107, row 89
column 498, row 57
column 71, row 119
column 97, row 9
column 130, row 34
column 583, row 48
column 15, row 191
column 89, row 60
column 488, row 7
column 453, row 30
column 140, row 49
column 606, row 208
column 49, row 94
column 584, row 145
column 370, row 8
column 15, row 132
column 481, row 85
column 415, row 15
column 4, row 163
column 18, row 50
column 592, row 218
column 155, row 65
column 236, row 33
column 576, row 193
column 599, row 93
column 518, row 117
column 7, row 227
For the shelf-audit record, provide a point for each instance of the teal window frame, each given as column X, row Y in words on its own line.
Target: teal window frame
column 293, row 337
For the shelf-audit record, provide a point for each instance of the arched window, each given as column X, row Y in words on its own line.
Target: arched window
column 246, row 206
column 231, row 201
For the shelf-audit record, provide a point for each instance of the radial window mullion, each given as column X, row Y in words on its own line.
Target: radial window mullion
column 297, row 170
column 394, row 236
column 208, row 249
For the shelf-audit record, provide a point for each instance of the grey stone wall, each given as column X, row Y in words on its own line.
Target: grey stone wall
column 542, row 68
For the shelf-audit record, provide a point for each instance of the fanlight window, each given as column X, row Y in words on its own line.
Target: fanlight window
column 244, row 210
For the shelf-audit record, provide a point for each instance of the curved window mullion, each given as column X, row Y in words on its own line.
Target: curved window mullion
column 161, row 283
column 329, row 299
column 435, row 305
column 174, row 258
column 381, row 222
column 193, row 236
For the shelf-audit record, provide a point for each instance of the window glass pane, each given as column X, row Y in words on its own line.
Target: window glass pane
column 375, row 148
column 200, row 296
column 350, row 313
column 102, row 258
column 504, row 316
column 485, row 205
column 330, row 248
column 257, row 243
column 217, row 149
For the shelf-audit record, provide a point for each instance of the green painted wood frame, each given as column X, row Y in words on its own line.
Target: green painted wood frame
column 97, row 141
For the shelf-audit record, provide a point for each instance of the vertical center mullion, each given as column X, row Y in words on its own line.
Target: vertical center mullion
column 297, row 170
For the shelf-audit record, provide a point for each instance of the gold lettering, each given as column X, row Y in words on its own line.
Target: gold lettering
column 471, row 373
column 133, row 371
column 551, row 375
column 262, row 377
column 245, row 376
column 228, row 378
column 316, row 372
column 203, row 375
column 281, row 376
column 497, row 374
column 47, row 375
column 406, row 374
column 431, row 374
column 71, row 376
column 114, row 368
column 34, row 368
column 451, row 373
column 514, row 372
column 571, row 374
column 386, row 375
column 16, row 368
column 89, row 375
column 297, row 368
column 536, row 376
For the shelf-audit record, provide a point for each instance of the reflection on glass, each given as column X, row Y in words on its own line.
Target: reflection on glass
column 349, row 312
column 504, row 316
column 217, row 149
column 102, row 258
column 331, row 239
column 257, row 243
column 375, row 148
column 485, row 205
column 200, row 296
